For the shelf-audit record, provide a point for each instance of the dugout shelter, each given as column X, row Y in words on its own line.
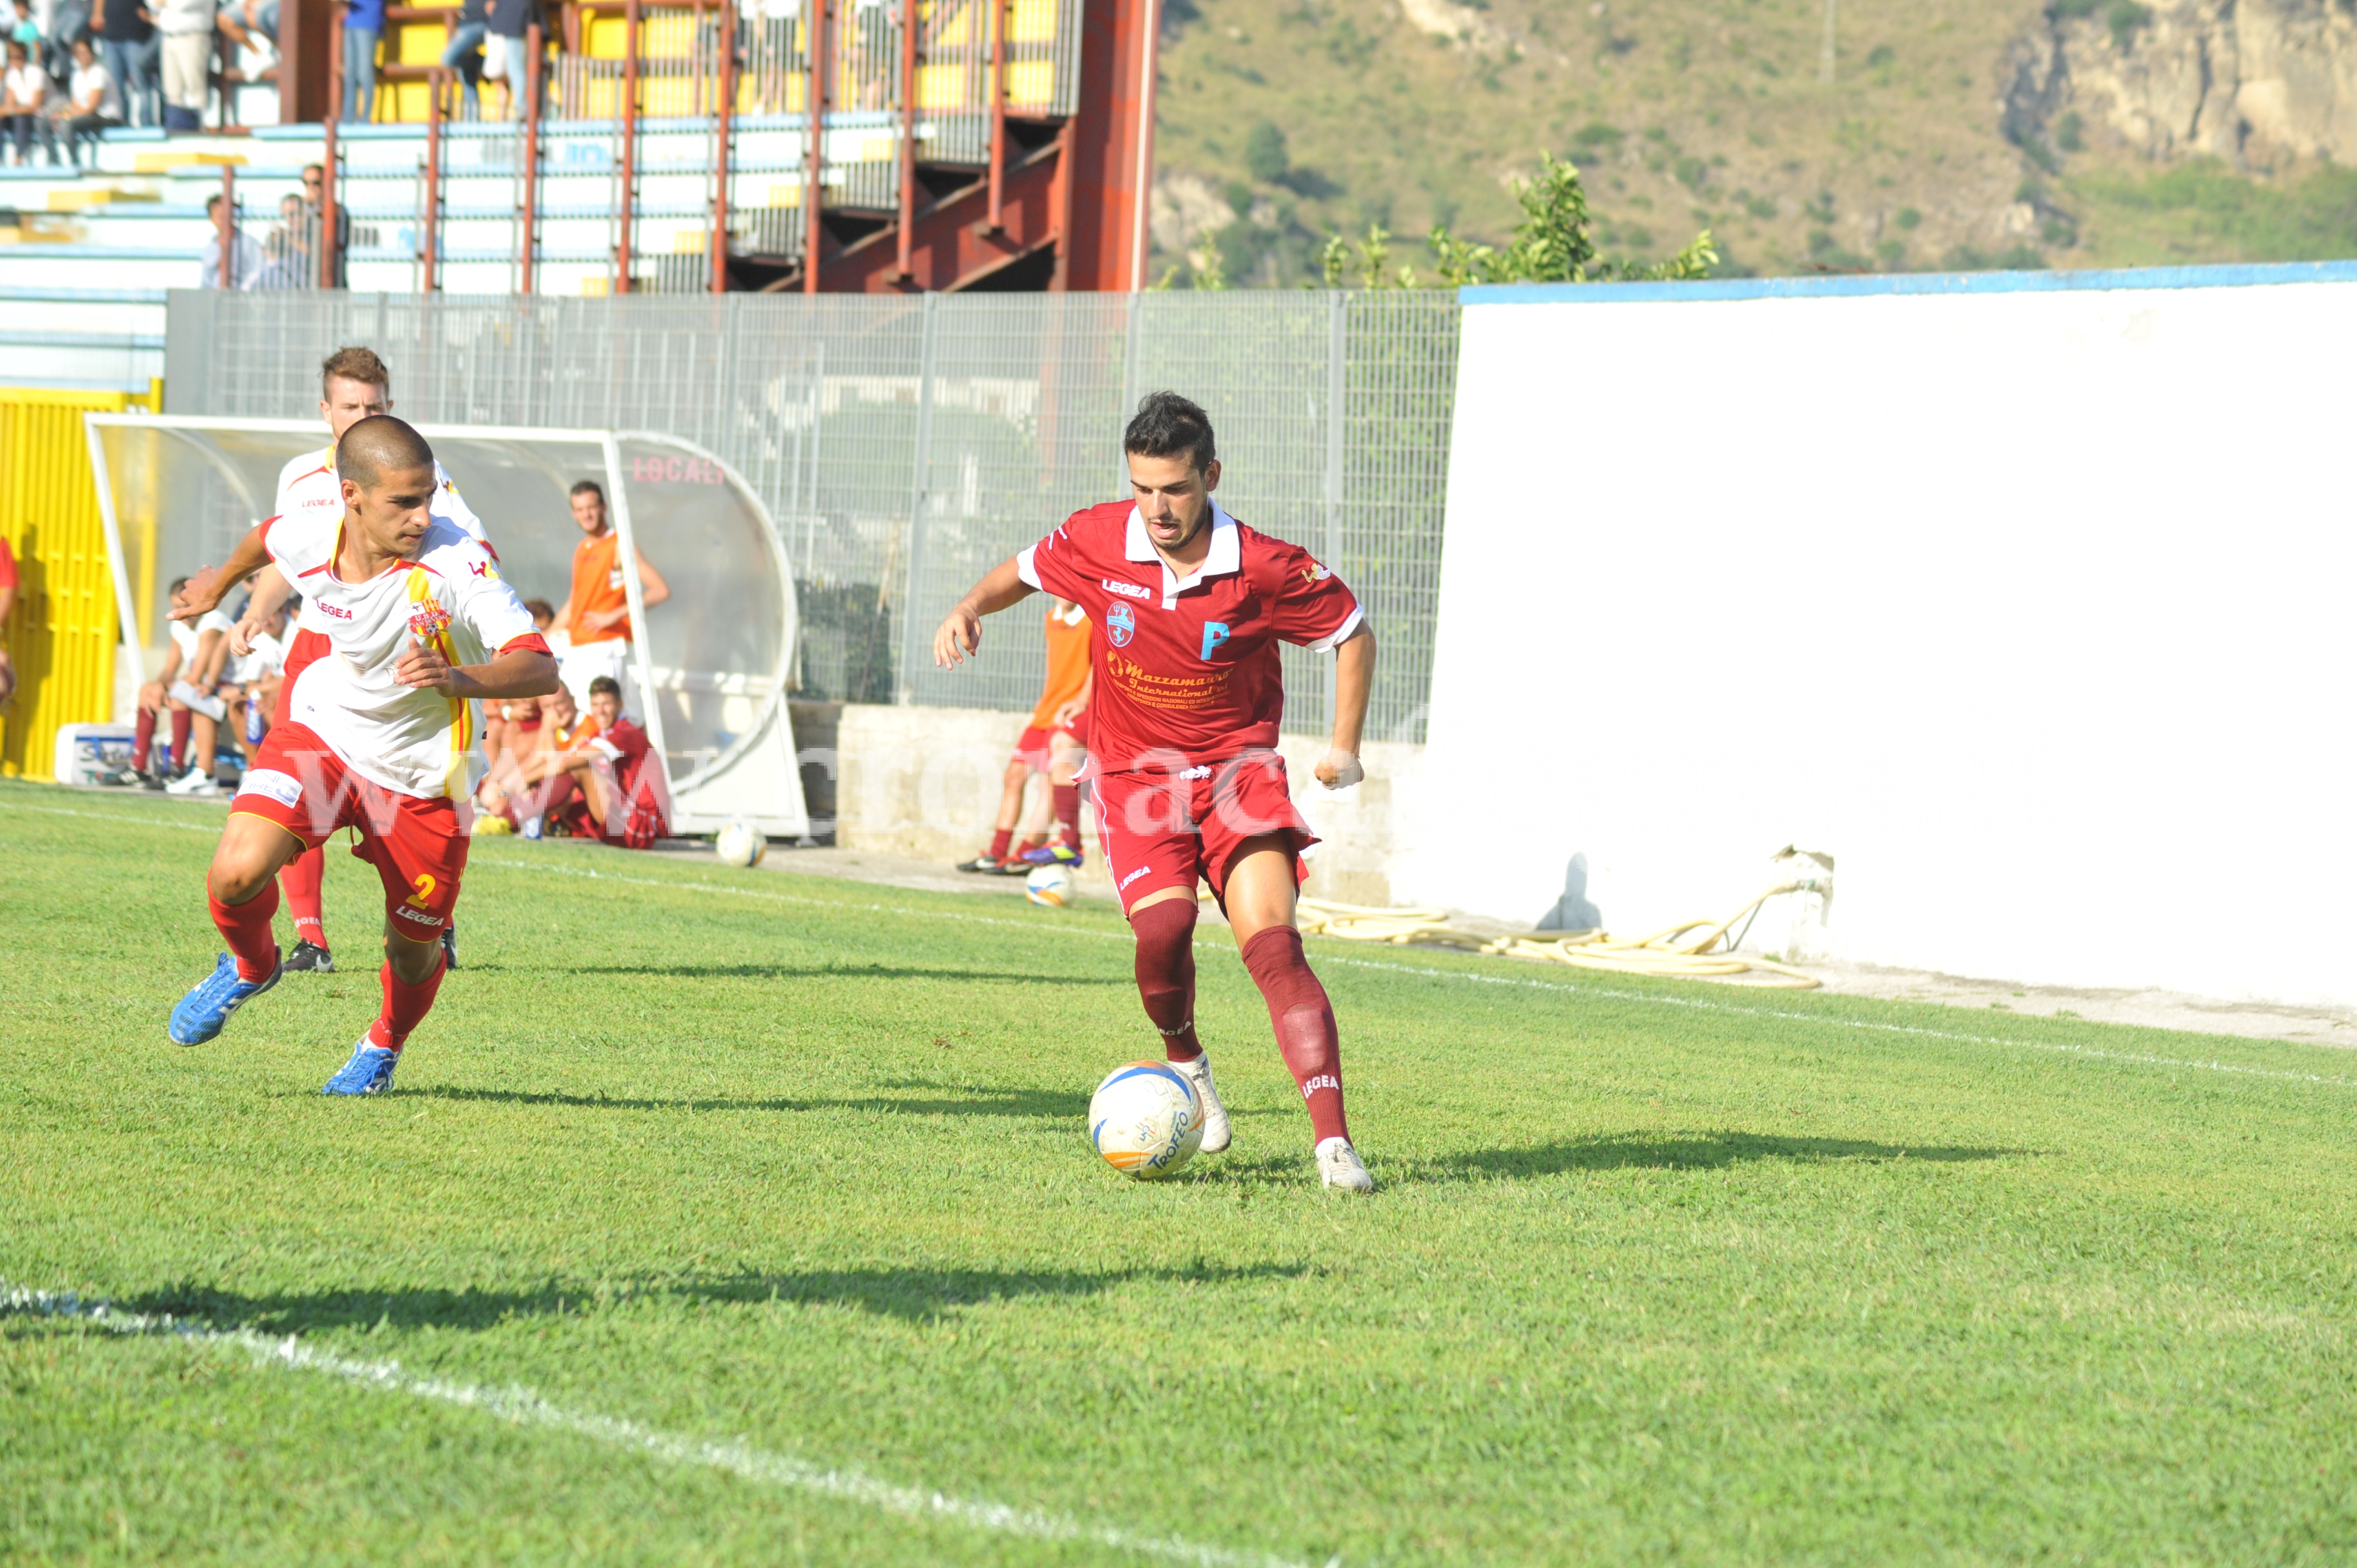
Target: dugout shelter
column 711, row 666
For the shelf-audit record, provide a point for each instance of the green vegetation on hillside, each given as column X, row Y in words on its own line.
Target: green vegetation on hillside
column 1285, row 123
column 776, row 1190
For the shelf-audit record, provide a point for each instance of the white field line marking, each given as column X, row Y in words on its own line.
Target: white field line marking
column 136, row 820
column 522, row 1407
column 2092, row 1052
column 1647, row 998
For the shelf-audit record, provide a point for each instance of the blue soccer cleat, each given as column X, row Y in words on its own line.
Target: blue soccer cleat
column 200, row 1015
column 369, row 1073
column 1053, row 854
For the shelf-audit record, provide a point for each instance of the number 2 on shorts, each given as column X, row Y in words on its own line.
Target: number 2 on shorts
column 425, row 890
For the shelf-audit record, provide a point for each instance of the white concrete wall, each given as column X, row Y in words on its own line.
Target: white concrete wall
column 2032, row 608
column 925, row 781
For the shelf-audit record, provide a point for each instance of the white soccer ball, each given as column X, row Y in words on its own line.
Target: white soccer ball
column 740, row 843
column 1051, row 887
column 1146, row 1120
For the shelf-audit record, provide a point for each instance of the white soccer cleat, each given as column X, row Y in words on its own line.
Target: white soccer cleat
column 1338, row 1168
column 1217, row 1132
column 194, row 783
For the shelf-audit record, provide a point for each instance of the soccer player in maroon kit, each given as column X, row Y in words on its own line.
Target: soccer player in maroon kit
column 1187, row 606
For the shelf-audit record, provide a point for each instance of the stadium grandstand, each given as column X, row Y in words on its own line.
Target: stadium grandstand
column 653, row 147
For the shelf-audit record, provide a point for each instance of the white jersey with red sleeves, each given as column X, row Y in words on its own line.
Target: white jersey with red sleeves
column 1186, row 667
column 412, row 740
column 309, row 486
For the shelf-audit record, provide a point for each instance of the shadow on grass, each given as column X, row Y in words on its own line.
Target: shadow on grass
column 915, row 1296
column 1037, row 1102
column 833, row 971
column 1693, row 1151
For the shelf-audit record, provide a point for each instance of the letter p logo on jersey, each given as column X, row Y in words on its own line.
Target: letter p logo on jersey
column 1215, row 632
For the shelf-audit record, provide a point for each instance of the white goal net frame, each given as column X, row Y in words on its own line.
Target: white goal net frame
column 711, row 667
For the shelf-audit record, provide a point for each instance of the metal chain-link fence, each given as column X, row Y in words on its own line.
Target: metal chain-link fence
column 904, row 444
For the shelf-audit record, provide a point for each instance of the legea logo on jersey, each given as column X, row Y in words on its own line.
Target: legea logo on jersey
column 1215, row 632
column 336, row 611
column 1120, row 625
column 1128, row 590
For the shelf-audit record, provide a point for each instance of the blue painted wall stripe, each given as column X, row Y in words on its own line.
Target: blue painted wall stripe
column 1842, row 286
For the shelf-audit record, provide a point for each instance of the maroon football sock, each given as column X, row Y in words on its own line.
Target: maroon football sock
column 405, row 1005
column 998, row 843
column 143, row 739
column 1068, row 813
column 247, row 929
column 1304, row 1020
column 1166, row 974
column 181, row 720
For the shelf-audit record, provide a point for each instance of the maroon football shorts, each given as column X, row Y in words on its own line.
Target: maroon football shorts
column 1165, row 830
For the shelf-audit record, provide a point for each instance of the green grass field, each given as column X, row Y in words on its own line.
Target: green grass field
column 773, row 1193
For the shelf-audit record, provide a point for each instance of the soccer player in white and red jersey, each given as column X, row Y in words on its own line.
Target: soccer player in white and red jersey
column 376, row 738
column 1187, row 607
column 354, row 384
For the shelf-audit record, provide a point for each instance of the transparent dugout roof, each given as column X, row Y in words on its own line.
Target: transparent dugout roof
column 181, row 491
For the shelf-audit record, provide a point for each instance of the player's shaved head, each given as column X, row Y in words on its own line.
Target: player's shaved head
column 378, row 445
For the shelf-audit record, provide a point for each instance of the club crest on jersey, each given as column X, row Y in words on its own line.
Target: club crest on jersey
column 1120, row 625
column 427, row 617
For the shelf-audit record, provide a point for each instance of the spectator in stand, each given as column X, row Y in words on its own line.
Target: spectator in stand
column 24, row 104
column 185, row 36
column 245, row 258
column 505, row 58
column 68, row 20
column 315, row 200
column 252, row 25
column 363, row 24
column 128, row 30
column 24, row 30
column 8, row 608
column 92, row 103
column 288, row 262
column 596, row 615
column 464, row 54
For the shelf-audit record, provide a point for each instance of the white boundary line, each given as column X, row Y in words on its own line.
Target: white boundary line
column 1327, row 957
column 522, row 1407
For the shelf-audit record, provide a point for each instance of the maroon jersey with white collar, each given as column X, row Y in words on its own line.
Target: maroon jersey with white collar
column 1186, row 667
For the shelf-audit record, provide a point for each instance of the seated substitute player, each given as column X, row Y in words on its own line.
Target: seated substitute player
column 1051, row 745
column 1189, row 605
column 375, row 738
column 354, row 384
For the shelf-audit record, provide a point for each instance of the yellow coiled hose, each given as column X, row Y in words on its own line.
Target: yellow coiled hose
column 1682, row 950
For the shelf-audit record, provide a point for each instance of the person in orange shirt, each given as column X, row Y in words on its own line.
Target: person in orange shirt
column 1054, row 743
column 596, row 615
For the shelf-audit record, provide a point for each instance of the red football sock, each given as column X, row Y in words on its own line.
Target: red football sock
column 181, row 720
column 1305, row 1026
column 1068, row 813
column 247, row 929
column 142, row 738
column 998, row 843
column 405, row 1005
column 301, row 878
column 1166, row 974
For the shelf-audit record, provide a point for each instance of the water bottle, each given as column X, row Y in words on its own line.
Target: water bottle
column 532, row 827
column 254, row 725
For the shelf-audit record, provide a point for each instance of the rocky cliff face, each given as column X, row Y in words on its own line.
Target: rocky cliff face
column 2250, row 81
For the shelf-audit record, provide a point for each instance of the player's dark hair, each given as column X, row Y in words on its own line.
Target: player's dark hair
column 377, row 444
column 354, row 365
column 1169, row 425
column 539, row 610
column 587, row 487
column 178, row 583
column 606, row 686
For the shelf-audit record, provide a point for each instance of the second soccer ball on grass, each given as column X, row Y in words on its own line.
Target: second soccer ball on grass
column 1051, row 887
column 1146, row 1120
column 740, row 843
